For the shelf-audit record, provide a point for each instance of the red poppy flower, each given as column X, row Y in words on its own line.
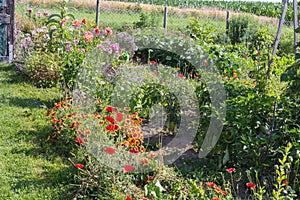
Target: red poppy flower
column 236, row 76
column 128, row 198
column 210, row 184
column 181, row 75
column 155, row 73
column 128, row 168
column 79, row 140
column 251, row 185
column 97, row 31
column 138, row 186
column 150, row 178
column 206, row 64
column 216, row 198
column 285, row 182
column 230, row 170
column 110, row 119
column 134, row 151
column 109, row 150
column 119, row 117
column 112, row 127
column 79, row 166
column 152, row 62
column 83, row 21
column 109, row 109
column 145, row 182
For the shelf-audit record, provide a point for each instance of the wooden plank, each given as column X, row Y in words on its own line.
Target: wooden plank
column 4, row 19
column 3, row 40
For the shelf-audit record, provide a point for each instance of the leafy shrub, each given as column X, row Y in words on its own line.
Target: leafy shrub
column 43, row 68
column 240, row 28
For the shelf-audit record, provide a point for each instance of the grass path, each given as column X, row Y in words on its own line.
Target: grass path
column 29, row 169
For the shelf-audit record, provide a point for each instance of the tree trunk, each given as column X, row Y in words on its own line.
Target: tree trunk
column 276, row 42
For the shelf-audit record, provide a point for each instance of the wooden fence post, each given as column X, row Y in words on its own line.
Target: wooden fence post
column 165, row 17
column 227, row 23
column 97, row 12
column 11, row 35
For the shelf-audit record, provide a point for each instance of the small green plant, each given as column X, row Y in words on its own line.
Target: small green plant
column 282, row 189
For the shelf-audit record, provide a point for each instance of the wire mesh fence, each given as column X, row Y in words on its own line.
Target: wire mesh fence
column 123, row 16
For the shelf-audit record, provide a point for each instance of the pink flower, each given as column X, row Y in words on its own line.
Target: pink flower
column 230, row 170
column 109, row 150
column 64, row 20
column 68, row 48
column 119, row 117
column 38, row 14
column 46, row 13
column 79, row 166
column 76, row 41
column 128, row 168
column 88, row 36
column 181, row 75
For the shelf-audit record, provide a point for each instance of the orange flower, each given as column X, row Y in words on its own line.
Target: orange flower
column 236, row 76
column 251, row 185
column 151, row 155
column 224, row 192
column 285, row 182
column 79, row 166
column 234, row 71
column 218, row 189
column 76, row 23
column 88, row 36
column 128, row 168
column 109, row 150
column 210, row 184
column 127, row 109
column 144, row 162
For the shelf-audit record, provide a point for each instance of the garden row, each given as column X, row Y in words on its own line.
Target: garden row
column 257, row 155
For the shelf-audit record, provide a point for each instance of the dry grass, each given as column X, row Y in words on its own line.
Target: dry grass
column 121, row 6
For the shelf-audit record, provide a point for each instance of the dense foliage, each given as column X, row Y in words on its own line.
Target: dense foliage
column 257, row 154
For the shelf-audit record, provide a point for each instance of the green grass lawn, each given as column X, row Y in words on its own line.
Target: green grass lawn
column 28, row 170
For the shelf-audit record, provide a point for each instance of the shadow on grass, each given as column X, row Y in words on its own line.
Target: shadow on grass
column 57, row 179
column 13, row 76
column 31, row 102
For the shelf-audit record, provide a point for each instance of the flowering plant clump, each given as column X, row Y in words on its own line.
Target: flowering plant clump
column 122, row 127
